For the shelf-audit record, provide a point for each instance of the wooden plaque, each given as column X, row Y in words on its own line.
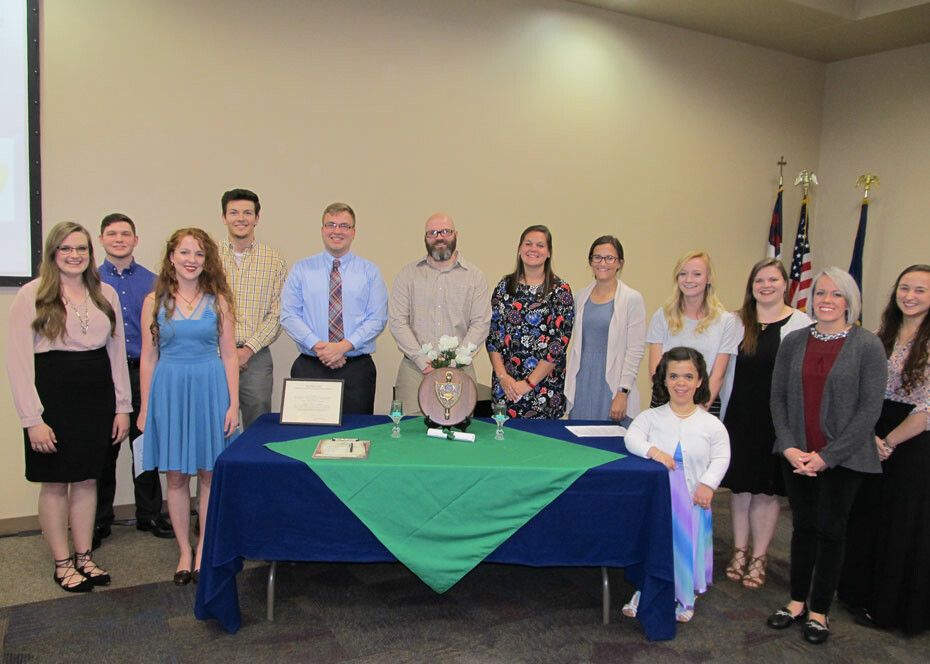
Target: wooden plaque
column 447, row 396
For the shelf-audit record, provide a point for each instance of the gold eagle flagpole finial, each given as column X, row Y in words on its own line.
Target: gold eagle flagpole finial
column 868, row 180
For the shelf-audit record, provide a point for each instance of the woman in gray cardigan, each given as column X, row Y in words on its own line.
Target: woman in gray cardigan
column 827, row 393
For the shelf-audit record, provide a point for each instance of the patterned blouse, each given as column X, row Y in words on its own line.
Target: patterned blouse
column 920, row 395
column 526, row 329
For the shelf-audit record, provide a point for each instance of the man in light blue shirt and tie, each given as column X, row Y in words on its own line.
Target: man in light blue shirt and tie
column 334, row 306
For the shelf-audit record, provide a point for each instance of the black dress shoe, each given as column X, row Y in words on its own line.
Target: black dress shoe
column 195, row 575
column 864, row 619
column 160, row 527
column 100, row 534
column 182, row 578
column 783, row 618
column 816, row 633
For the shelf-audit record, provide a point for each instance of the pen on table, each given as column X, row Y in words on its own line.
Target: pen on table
column 351, row 447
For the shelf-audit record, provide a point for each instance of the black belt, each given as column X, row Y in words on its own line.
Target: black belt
column 133, row 362
column 348, row 359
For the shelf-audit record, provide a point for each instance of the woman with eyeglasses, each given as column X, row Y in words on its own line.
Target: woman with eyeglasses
column 694, row 317
column 610, row 341
column 66, row 360
column 532, row 313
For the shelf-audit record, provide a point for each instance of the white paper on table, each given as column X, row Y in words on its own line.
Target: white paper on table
column 598, row 431
column 137, row 446
column 459, row 435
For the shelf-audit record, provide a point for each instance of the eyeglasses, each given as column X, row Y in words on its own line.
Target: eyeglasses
column 332, row 225
column 444, row 232
column 609, row 260
column 67, row 251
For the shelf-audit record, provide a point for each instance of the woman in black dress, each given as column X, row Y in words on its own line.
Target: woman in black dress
column 886, row 577
column 66, row 359
column 754, row 476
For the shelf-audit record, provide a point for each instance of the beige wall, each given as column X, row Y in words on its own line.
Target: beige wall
column 875, row 119
column 502, row 114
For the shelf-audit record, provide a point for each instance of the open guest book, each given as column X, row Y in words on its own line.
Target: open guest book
column 342, row 448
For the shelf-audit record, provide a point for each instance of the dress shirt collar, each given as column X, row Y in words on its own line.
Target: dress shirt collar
column 458, row 262
column 344, row 260
column 227, row 246
column 112, row 269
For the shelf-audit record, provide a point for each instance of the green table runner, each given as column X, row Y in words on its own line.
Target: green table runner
column 441, row 506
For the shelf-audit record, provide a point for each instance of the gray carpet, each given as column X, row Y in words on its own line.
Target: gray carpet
column 382, row 613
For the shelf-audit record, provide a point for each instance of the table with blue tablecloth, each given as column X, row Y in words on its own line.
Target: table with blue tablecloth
column 267, row 506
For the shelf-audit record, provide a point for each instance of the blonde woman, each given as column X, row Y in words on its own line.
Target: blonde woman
column 695, row 318
column 66, row 360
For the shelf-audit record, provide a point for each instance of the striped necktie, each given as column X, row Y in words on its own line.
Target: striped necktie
column 335, row 304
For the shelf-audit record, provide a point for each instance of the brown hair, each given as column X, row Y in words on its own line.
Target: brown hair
column 51, row 315
column 548, row 276
column 912, row 374
column 212, row 279
column 681, row 354
column 747, row 313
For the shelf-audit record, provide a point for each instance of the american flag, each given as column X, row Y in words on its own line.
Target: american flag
column 801, row 273
column 774, row 247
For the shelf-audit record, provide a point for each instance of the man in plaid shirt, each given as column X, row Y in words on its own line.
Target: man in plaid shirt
column 256, row 274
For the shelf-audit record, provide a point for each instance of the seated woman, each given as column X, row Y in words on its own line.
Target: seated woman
column 695, row 447
column 532, row 313
column 604, row 361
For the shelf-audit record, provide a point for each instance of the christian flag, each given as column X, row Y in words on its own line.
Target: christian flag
column 855, row 267
column 801, row 272
column 774, row 248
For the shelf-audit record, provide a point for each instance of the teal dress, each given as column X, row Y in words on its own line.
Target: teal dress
column 188, row 395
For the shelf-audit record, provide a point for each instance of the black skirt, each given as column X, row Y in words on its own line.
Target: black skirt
column 887, row 567
column 76, row 391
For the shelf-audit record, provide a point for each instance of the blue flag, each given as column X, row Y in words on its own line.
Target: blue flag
column 855, row 266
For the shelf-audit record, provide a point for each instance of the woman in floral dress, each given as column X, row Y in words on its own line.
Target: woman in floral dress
column 532, row 312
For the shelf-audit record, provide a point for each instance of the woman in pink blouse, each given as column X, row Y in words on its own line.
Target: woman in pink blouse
column 66, row 360
column 885, row 578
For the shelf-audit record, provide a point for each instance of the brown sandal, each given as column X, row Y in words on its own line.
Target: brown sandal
column 755, row 572
column 736, row 570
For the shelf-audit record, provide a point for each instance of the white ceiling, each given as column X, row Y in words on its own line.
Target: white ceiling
column 824, row 30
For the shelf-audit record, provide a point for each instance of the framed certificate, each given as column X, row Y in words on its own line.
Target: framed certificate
column 312, row 401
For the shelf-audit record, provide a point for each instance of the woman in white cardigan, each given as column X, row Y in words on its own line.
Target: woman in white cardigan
column 609, row 341
column 695, row 447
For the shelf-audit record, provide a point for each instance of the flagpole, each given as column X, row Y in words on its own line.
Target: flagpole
column 856, row 264
column 773, row 248
column 781, row 163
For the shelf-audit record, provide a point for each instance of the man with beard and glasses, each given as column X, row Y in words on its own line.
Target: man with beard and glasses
column 439, row 294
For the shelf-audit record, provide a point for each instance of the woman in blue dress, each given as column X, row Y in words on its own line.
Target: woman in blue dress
column 189, row 379
column 532, row 313
column 610, row 341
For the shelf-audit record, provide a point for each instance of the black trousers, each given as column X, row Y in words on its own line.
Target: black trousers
column 147, row 485
column 358, row 373
column 820, row 509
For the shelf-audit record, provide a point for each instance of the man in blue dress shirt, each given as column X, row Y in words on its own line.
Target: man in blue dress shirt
column 334, row 305
column 132, row 283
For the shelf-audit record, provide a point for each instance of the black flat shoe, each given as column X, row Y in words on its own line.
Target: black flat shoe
column 783, row 618
column 85, row 565
column 195, row 575
column 816, row 633
column 100, row 534
column 182, row 578
column 67, row 564
column 159, row 527
column 862, row 618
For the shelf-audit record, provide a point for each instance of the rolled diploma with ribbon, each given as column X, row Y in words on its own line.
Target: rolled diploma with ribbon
column 458, row 435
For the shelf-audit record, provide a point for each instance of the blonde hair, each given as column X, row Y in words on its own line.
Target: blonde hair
column 674, row 307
